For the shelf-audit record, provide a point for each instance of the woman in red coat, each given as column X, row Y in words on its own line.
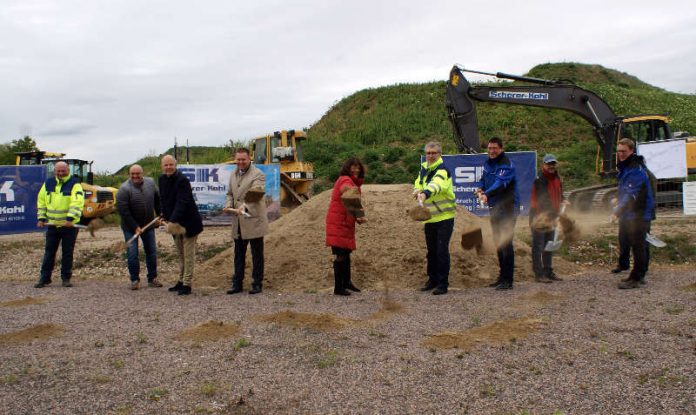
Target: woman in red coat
column 340, row 224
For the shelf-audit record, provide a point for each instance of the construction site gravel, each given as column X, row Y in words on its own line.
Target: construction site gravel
column 579, row 346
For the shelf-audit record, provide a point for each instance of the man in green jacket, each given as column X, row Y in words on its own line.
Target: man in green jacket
column 59, row 204
column 433, row 188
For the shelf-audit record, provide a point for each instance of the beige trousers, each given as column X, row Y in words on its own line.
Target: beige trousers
column 186, row 248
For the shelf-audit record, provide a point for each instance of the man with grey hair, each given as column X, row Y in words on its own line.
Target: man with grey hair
column 433, row 189
column 59, row 205
column 138, row 203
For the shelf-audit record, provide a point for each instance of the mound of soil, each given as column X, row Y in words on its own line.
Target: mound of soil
column 40, row 332
column 208, row 331
column 24, row 301
column 322, row 322
column 391, row 249
column 497, row 333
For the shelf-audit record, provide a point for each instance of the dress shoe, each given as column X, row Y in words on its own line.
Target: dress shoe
column 618, row 269
column 427, row 287
column 66, row 284
column 255, row 290
column 185, row 290
column 543, row 280
column 504, row 286
column 352, row 287
column 234, row 290
column 440, row 291
column 154, row 283
column 553, row 277
column 630, row 284
column 134, row 285
column 41, row 284
column 177, row 287
column 494, row 284
column 341, row 292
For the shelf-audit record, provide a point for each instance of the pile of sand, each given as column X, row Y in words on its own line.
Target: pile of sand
column 390, row 253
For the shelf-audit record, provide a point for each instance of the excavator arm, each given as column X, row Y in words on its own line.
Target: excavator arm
column 563, row 95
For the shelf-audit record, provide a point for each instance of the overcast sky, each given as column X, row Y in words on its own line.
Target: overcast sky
column 115, row 80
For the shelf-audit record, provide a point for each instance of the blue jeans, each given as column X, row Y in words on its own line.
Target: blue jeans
column 55, row 236
column 150, row 247
column 437, row 240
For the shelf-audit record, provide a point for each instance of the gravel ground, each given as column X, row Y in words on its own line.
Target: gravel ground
column 99, row 348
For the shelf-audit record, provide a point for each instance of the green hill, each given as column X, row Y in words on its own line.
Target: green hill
column 387, row 126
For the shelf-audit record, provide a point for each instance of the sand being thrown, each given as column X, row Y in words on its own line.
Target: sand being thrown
column 390, row 249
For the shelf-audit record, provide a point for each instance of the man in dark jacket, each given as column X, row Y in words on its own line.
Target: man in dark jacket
column 545, row 206
column 138, row 203
column 498, row 188
column 178, row 207
column 634, row 208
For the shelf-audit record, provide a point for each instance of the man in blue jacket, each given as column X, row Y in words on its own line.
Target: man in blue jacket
column 634, row 208
column 498, row 188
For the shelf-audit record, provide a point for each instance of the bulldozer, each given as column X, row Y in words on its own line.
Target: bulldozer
column 99, row 201
column 296, row 175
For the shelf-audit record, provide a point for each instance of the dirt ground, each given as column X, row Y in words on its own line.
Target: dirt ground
column 576, row 346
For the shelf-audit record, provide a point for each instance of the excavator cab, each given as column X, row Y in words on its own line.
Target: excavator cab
column 296, row 175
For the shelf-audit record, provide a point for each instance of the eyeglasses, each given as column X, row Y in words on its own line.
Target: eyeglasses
column 431, row 153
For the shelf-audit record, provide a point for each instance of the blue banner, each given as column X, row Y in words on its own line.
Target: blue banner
column 209, row 184
column 19, row 190
column 466, row 170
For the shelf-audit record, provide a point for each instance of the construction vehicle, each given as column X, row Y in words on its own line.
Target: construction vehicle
column 296, row 175
column 564, row 95
column 99, row 201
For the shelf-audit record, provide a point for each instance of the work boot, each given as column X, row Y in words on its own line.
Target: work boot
column 341, row 292
column 41, row 284
column 255, row 289
column 177, row 287
column 553, row 277
column 185, row 290
column 440, row 291
column 428, row 286
column 154, row 283
column 618, row 269
column 630, row 284
column 542, row 279
column 495, row 284
column 66, row 284
column 134, row 285
column 234, row 290
column 504, row 286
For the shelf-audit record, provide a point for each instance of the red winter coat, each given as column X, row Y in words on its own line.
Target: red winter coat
column 340, row 225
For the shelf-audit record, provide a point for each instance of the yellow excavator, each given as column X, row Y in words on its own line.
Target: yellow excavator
column 296, row 175
column 99, row 201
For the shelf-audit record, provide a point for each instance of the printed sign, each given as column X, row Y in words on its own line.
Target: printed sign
column 19, row 190
column 689, row 197
column 665, row 159
column 209, row 184
column 466, row 170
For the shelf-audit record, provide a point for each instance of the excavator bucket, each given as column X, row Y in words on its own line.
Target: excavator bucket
column 461, row 112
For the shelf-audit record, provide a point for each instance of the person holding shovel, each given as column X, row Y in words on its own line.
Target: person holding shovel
column 545, row 206
column 433, row 190
column 345, row 210
column 246, row 202
column 138, row 203
column 498, row 188
column 634, row 208
column 180, row 215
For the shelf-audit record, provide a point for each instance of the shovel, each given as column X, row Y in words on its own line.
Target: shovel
column 134, row 237
column 552, row 246
column 655, row 241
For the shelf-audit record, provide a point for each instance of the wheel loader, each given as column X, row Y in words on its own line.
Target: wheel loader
column 99, row 201
column 296, row 175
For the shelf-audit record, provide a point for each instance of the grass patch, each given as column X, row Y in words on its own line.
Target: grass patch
column 674, row 309
column 157, row 393
column 209, row 389
column 207, row 252
column 241, row 343
column 329, row 359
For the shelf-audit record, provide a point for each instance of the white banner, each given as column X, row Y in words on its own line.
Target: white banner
column 689, row 197
column 666, row 159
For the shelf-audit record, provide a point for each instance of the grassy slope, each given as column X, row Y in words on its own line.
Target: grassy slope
column 387, row 126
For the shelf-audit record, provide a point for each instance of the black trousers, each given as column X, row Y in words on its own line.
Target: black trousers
column 437, row 240
column 341, row 266
column 625, row 246
column 55, row 236
column 635, row 232
column 240, row 249
column 503, row 231
column 542, row 261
